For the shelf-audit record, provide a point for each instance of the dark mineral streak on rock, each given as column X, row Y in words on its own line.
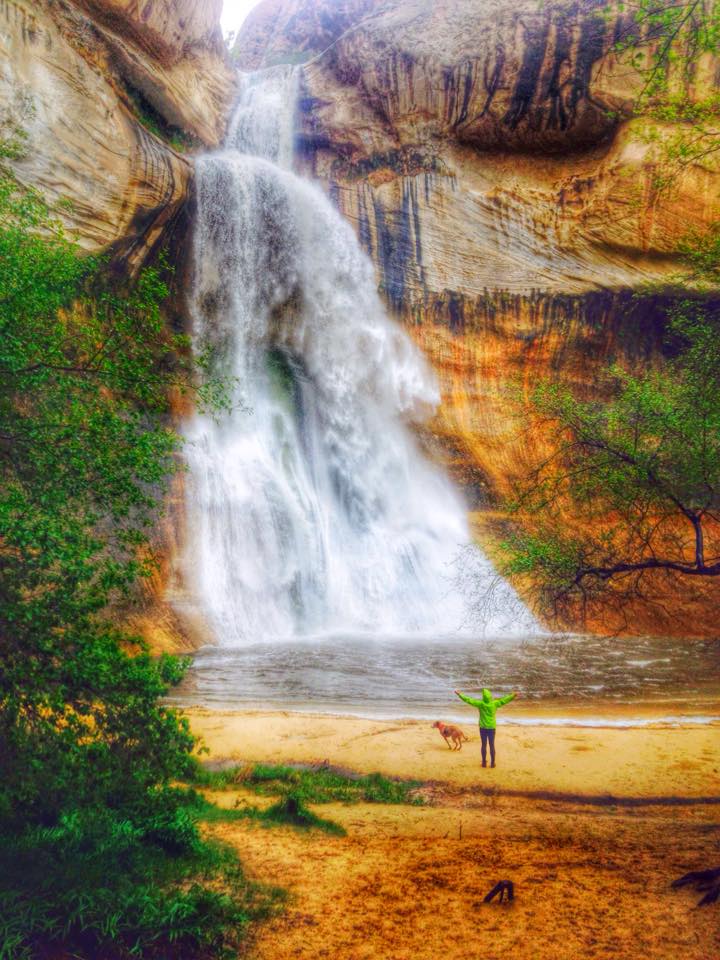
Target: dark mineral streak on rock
column 590, row 50
column 526, row 84
column 156, row 177
column 492, row 77
column 614, row 320
column 552, row 88
column 399, row 242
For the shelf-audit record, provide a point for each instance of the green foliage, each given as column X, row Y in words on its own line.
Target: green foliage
column 18, row 109
column 98, row 853
column 667, row 44
column 664, row 41
column 297, row 787
column 628, row 504
column 148, row 116
column 701, row 253
column 290, row 810
column 101, row 885
column 13, row 146
column 632, row 488
column 310, row 785
column 85, row 370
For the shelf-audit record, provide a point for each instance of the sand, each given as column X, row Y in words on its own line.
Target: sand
column 590, row 824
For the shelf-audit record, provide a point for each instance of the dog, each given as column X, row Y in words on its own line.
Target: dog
column 448, row 733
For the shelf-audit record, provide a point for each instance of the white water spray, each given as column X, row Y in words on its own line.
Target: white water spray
column 311, row 508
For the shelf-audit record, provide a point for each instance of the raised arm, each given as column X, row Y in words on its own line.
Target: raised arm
column 503, row 700
column 470, row 700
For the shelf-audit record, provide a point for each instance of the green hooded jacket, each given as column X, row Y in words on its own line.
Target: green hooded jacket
column 487, row 707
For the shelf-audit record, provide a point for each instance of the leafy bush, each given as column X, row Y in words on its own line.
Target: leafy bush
column 100, row 885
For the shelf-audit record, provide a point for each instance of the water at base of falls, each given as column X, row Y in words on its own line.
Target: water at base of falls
column 605, row 681
column 311, row 508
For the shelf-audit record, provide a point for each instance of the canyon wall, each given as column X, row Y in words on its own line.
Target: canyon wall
column 488, row 155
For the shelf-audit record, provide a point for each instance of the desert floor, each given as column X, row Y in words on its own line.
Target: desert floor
column 591, row 825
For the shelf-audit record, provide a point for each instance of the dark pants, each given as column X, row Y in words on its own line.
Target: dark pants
column 487, row 737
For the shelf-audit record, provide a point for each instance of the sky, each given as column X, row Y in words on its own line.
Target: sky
column 234, row 12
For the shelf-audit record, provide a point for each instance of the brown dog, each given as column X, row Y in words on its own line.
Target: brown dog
column 449, row 733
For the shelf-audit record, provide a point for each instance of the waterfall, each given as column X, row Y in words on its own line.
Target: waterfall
column 311, row 508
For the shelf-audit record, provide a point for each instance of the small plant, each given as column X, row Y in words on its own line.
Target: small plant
column 152, row 120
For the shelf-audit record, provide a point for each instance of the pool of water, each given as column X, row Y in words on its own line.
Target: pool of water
column 415, row 677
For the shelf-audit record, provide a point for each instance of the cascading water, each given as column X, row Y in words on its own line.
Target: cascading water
column 311, row 508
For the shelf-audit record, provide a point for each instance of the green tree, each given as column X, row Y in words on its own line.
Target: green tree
column 627, row 506
column 673, row 47
column 98, row 849
column 84, row 379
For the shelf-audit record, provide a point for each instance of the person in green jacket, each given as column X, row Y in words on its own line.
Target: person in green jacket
column 487, row 708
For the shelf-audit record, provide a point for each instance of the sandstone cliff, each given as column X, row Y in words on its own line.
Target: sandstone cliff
column 96, row 89
column 487, row 155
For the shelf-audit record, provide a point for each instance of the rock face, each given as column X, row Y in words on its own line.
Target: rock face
column 79, row 79
column 492, row 74
column 486, row 154
column 484, row 151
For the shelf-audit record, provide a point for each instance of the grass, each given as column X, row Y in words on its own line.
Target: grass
column 310, row 785
column 296, row 787
column 98, row 884
column 293, row 811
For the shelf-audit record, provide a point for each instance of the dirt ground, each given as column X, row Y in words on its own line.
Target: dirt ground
column 592, row 875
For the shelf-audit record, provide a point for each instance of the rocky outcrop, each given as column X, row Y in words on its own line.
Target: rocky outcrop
column 91, row 91
column 488, row 156
column 173, row 52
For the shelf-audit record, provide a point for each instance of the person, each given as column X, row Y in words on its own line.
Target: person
column 487, row 708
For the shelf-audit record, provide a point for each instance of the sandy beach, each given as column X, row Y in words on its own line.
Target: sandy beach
column 647, row 761
column 591, row 825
